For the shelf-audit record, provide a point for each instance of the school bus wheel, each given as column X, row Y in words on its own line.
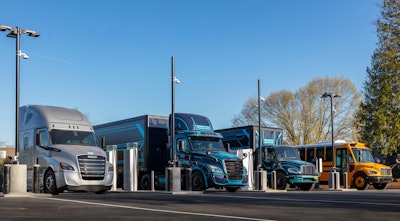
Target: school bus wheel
column 360, row 181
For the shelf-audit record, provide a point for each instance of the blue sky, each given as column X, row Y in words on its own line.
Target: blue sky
column 111, row 59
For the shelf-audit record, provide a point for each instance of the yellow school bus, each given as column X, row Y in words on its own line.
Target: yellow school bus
column 354, row 158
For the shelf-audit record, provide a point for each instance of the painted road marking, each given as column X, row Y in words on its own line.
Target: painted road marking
column 157, row 210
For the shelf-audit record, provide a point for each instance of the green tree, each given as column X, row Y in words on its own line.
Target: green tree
column 304, row 115
column 378, row 119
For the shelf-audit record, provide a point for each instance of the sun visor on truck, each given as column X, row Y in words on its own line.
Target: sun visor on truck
column 191, row 122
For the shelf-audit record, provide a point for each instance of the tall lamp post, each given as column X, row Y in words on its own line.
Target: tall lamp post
column 331, row 96
column 15, row 33
column 259, row 163
column 172, row 135
column 174, row 178
column 260, row 173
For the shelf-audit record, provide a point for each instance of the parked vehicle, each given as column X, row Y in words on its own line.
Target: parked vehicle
column 197, row 147
column 353, row 158
column 62, row 142
column 283, row 160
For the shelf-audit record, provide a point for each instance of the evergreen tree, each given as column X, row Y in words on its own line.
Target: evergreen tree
column 378, row 118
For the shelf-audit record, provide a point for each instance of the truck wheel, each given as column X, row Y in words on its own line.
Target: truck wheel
column 281, row 181
column 396, row 171
column 50, row 185
column 307, row 186
column 360, row 181
column 198, row 181
column 232, row 189
column 145, row 182
column 380, row 186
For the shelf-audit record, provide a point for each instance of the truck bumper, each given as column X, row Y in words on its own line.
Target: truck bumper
column 68, row 180
column 380, row 179
column 221, row 180
column 303, row 179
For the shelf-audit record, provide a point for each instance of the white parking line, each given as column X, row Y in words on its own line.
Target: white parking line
column 157, row 210
column 312, row 201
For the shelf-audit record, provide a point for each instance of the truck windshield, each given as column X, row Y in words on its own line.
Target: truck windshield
column 73, row 137
column 206, row 144
column 363, row 155
column 286, row 153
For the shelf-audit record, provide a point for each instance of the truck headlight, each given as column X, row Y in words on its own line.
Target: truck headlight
column 372, row 172
column 66, row 166
column 110, row 168
column 214, row 169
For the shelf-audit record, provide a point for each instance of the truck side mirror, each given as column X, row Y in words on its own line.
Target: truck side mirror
column 228, row 148
column 103, row 142
column 181, row 146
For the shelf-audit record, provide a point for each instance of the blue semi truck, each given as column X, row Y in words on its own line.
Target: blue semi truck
column 284, row 160
column 197, row 147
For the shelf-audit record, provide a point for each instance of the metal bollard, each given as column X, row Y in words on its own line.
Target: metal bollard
column 152, row 180
column 6, row 178
column 345, row 180
column 273, row 180
column 36, row 188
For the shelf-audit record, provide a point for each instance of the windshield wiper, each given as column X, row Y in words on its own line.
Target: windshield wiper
column 50, row 148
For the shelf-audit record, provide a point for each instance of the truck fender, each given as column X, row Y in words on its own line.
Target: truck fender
column 198, row 169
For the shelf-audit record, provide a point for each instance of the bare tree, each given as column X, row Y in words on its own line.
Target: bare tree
column 304, row 115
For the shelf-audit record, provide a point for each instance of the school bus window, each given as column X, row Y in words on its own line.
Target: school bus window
column 302, row 153
column 310, row 155
column 320, row 152
column 328, row 154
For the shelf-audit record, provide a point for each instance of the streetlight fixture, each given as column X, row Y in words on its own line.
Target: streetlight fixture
column 331, row 95
column 15, row 33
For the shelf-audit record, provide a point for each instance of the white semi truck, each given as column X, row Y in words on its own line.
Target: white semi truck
column 62, row 142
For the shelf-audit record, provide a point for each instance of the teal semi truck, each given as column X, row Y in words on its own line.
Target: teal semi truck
column 283, row 160
column 197, row 147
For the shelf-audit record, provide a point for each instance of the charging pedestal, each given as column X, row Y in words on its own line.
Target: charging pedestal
column 130, row 167
column 260, row 179
column 334, row 180
column 15, row 179
column 173, row 179
column 112, row 158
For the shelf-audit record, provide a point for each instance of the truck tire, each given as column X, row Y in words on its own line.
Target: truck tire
column 198, row 183
column 380, row 186
column 145, row 182
column 232, row 189
column 281, row 181
column 50, row 185
column 396, row 171
column 307, row 186
column 360, row 181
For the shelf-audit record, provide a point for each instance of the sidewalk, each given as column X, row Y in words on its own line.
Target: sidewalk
column 392, row 185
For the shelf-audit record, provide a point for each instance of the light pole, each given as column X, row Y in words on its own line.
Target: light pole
column 173, row 172
column 172, row 135
column 259, row 163
column 331, row 95
column 15, row 33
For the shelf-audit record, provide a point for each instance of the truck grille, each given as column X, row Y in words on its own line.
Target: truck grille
column 234, row 169
column 92, row 167
column 385, row 171
column 307, row 170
